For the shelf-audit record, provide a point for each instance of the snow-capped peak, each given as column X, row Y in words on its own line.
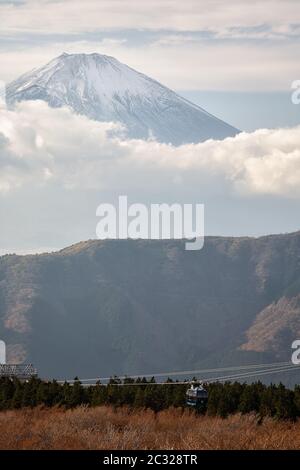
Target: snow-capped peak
column 102, row 88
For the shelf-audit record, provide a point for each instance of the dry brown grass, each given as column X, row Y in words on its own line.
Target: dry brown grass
column 106, row 428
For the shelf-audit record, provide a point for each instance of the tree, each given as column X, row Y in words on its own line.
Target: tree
column 17, row 399
column 7, row 389
column 77, row 395
column 251, row 397
column 284, row 404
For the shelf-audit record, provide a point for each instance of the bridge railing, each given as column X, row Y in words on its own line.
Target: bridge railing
column 21, row 371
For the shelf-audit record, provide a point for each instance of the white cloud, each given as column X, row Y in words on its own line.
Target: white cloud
column 179, row 64
column 44, row 147
column 70, row 16
column 230, row 58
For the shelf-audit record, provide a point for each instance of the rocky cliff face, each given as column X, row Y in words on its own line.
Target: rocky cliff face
column 111, row 307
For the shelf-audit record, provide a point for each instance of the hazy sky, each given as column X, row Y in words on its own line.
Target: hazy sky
column 236, row 59
column 192, row 45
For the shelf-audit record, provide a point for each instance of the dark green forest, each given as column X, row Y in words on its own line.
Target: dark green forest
column 224, row 399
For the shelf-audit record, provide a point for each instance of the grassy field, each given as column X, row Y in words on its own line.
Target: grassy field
column 106, row 428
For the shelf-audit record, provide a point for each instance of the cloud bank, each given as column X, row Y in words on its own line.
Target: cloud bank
column 70, row 16
column 44, row 147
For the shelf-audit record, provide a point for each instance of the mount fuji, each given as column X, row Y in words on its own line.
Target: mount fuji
column 102, row 88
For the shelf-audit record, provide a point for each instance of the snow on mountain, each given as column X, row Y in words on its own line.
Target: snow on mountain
column 102, row 88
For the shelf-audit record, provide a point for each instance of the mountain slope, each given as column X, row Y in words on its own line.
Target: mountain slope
column 105, row 307
column 102, row 88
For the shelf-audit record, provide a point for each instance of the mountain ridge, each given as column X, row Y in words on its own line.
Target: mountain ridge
column 137, row 306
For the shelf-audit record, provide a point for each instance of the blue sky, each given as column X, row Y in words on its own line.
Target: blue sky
column 249, row 110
